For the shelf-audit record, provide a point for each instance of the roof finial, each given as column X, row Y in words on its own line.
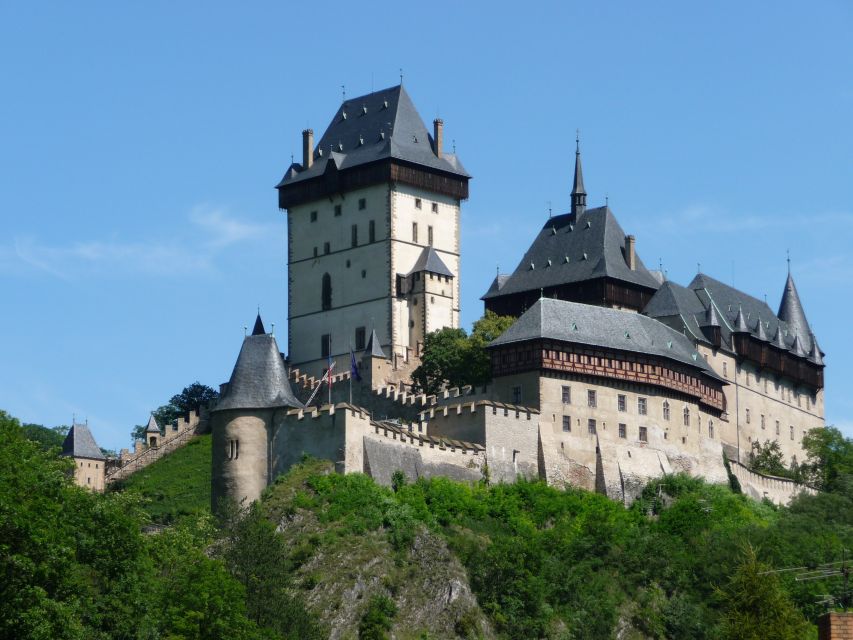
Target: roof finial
column 497, row 270
column 272, row 329
column 578, row 191
column 291, row 158
column 577, row 140
column 245, row 331
column 401, row 76
column 549, row 208
column 788, row 254
column 541, row 293
column 606, row 199
column 454, row 146
column 698, row 267
column 343, row 93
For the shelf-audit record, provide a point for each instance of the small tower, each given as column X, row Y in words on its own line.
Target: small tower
column 578, row 190
column 80, row 445
column 244, row 421
column 374, row 363
column 791, row 312
column 152, row 432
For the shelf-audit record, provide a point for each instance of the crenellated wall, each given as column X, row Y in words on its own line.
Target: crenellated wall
column 760, row 486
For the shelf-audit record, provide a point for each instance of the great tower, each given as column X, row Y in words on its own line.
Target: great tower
column 373, row 234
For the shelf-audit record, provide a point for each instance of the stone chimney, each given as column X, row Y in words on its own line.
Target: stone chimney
column 630, row 253
column 307, row 148
column 438, row 135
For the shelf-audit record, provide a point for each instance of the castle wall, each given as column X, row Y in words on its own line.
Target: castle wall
column 777, row 400
column 240, row 454
column 759, row 486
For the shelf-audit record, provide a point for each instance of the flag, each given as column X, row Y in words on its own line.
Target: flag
column 329, row 371
column 353, row 367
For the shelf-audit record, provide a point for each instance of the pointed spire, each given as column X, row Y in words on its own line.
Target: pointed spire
column 740, row 322
column 578, row 191
column 152, row 427
column 760, row 333
column 373, row 348
column 815, row 355
column 259, row 329
column 791, row 312
column 711, row 319
column 779, row 338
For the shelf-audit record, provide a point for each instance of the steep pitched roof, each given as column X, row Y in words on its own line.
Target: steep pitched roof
column 377, row 126
column 496, row 285
column 80, row 443
column 429, row 260
column 602, row 327
column 258, row 329
column 792, row 313
column 373, row 348
column 152, row 427
column 259, row 379
column 572, row 248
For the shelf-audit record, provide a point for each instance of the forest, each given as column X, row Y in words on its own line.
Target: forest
column 324, row 553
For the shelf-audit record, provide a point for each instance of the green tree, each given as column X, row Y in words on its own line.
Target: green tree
column 452, row 358
column 47, row 437
column 756, row 607
column 829, row 466
column 192, row 397
column 377, row 619
column 767, row 458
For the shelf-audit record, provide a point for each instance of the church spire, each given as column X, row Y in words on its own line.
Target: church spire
column 578, row 191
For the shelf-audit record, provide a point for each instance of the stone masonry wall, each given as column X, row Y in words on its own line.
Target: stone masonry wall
column 760, row 486
column 835, row 625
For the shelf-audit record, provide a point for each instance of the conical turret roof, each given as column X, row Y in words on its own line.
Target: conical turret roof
column 374, row 349
column 259, row 329
column 80, row 443
column 797, row 347
column 760, row 333
column 779, row 338
column 740, row 323
column 152, row 427
column 791, row 313
column 259, row 379
column 815, row 355
column 711, row 318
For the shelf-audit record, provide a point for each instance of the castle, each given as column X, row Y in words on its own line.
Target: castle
column 610, row 376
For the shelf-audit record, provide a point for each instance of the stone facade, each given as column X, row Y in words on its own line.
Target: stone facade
column 835, row 625
column 89, row 473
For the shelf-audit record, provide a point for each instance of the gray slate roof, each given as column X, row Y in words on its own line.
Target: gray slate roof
column 574, row 322
column 259, row 379
column 579, row 248
column 430, row 261
column 152, row 427
column 378, row 126
column 686, row 308
column 792, row 313
column 374, row 349
column 80, row 443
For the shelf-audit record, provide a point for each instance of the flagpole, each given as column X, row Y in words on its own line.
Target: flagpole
column 350, row 374
column 329, row 381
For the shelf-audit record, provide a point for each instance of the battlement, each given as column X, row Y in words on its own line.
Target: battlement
column 472, row 407
column 408, row 435
column 759, row 486
column 309, row 383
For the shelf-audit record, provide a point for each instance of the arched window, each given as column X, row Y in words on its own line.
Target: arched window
column 666, row 410
column 327, row 292
column 686, row 416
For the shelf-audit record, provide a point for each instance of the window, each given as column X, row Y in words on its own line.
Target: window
column 623, row 431
column 418, row 203
column 666, row 410
column 747, row 416
column 686, row 416
column 355, row 235
column 747, row 378
column 567, row 423
column 621, row 402
column 233, row 449
column 435, row 207
column 313, row 216
column 371, row 231
column 327, row 248
column 642, row 408
column 567, row 394
column 725, row 369
column 797, row 394
column 777, row 428
column 362, row 204
column 429, row 235
column 88, row 480
column 762, row 421
column 315, row 252
column 644, row 434
column 792, row 432
column 359, row 338
column 516, row 394
column 414, row 232
column 325, row 345
column 326, row 295
column 711, row 429
column 363, row 273
column 337, row 210
column 590, row 398
column 590, row 426
column 765, row 385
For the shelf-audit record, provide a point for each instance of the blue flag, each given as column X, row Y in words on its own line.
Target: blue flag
column 353, row 366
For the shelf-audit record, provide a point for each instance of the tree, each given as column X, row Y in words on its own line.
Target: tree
column 452, row 358
column 47, row 438
column 756, row 607
column 192, row 397
column 767, row 458
column 829, row 466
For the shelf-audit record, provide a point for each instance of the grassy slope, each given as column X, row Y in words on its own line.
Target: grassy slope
column 178, row 484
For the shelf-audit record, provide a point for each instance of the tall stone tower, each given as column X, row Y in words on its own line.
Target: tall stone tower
column 373, row 235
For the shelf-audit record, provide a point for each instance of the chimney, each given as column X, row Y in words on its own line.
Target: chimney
column 307, row 148
column 630, row 253
column 438, row 135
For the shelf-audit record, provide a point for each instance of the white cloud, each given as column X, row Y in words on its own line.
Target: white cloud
column 208, row 232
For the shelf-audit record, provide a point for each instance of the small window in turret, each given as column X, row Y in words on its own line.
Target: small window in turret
column 362, row 204
column 417, row 203
column 435, row 207
column 313, row 216
column 337, row 210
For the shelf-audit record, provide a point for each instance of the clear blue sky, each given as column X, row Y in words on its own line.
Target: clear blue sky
column 140, row 144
